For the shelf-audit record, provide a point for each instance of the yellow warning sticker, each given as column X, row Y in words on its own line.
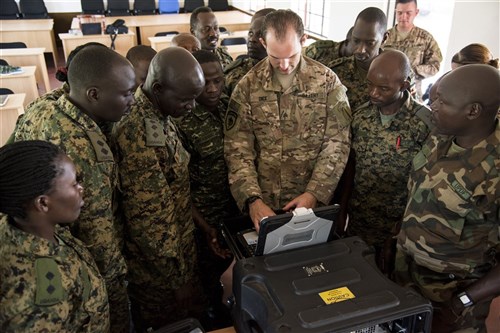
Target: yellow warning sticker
column 336, row 295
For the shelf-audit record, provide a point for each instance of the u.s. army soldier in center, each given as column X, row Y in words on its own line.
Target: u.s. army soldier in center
column 287, row 126
column 102, row 84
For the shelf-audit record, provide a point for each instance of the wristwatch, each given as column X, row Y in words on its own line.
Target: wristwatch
column 251, row 200
column 465, row 299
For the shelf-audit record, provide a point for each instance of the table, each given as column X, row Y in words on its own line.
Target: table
column 9, row 114
column 29, row 57
column 34, row 33
column 123, row 42
column 22, row 83
column 148, row 25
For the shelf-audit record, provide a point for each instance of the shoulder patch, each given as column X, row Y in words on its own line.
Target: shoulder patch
column 49, row 290
column 231, row 120
column 101, row 148
column 155, row 133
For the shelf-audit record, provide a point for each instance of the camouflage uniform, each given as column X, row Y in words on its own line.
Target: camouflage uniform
column 63, row 124
column 324, row 51
column 379, row 193
column 422, row 50
column 159, row 243
column 450, row 233
column 202, row 133
column 224, row 57
column 50, row 96
column 354, row 78
column 235, row 71
column 47, row 287
column 280, row 144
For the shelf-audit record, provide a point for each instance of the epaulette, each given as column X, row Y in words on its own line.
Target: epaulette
column 155, row 133
column 337, row 62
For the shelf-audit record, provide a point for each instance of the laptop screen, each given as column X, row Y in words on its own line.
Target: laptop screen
column 302, row 227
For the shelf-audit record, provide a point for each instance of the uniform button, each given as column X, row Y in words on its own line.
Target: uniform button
column 451, row 276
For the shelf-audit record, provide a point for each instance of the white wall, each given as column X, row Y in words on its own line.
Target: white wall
column 474, row 21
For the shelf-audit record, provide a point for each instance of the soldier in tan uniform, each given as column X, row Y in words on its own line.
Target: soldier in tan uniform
column 417, row 43
column 449, row 243
column 256, row 52
column 79, row 122
column 286, row 127
column 204, row 26
column 49, row 281
column 153, row 166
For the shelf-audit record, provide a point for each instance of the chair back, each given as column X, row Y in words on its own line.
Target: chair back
column 166, row 33
column 218, row 5
column 190, row 5
column 93, row 7
column 9, row 10
column 144, row 7
column 13, row 45
column 118, row 8
column 3, row 63
column 233, row 41
column 6, row 91
column 168, row 6
column 33, row 9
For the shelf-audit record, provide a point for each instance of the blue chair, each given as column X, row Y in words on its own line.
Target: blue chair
column 218, row 5
column 168, row 6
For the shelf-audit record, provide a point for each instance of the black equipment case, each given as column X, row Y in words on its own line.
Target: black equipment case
column 332, row 287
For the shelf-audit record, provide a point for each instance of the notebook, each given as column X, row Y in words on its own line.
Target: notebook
column 283, row 232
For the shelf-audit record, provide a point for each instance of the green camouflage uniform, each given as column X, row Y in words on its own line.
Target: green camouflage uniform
column 202, row 133
column 235, row 71
column 354, row 78
column 422, row 50
column 324, row 51
column 159, row 243
column 47, row 287
column 451, row 232
column 224, row 57
column 379, row 193
column 63, row 124
column 280, row 144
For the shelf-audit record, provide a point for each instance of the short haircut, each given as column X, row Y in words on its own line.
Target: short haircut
column 62, row 73
column 279, row 21
column 374, row 15
column 91, row 65
column 204, row 56
column 27, row 170
column 140, row 53
column 194, row 15
column 406, row 1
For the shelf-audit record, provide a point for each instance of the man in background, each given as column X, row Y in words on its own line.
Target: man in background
column 418, row 44
column 326, row 51
column 204, row 26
